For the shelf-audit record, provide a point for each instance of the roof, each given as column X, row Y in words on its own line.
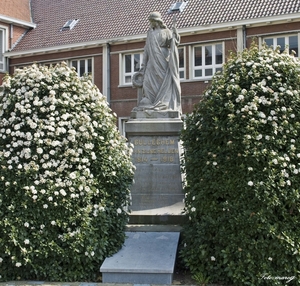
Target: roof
column 110, row 19
column 18, row 9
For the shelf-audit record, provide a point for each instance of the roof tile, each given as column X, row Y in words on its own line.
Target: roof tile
column 100, row 20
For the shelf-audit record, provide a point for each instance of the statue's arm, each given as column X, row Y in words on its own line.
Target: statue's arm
column 176, row 36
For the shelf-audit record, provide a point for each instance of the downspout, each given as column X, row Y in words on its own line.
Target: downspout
column 244, row 37
column 11, row 36
column 7, row 65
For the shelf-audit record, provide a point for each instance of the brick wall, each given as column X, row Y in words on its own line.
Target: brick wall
column 19, row 9
column 124, row 98
column 18, row 33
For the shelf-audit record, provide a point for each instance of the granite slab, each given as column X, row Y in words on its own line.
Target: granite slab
column 145, row 258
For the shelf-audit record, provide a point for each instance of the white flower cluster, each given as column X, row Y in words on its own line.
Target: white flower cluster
column 267, row 107
column 249, row 118
column 57, row 134
column 38, row 136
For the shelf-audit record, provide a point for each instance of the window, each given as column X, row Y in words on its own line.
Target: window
column 50, row 64
column 83, row 67
column 181, row 63
column 291, row 41
column 69, row 25
column 2, row 50
column 208, row 59
column 177, row 7
column 131, row 64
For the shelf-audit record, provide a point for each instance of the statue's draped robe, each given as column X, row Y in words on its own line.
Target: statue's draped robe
column 161, row 85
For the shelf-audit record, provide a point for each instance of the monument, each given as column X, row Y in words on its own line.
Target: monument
column 157, row 197
column 155, row 125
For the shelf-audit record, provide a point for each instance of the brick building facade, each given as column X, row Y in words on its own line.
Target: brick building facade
column 106, row 38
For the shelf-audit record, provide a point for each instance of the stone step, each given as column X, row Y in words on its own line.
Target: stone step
column 168, row 215
column 145, row 258
column 153, row 228
column 157, row 219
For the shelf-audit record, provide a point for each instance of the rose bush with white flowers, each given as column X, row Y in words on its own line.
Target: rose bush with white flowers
column 242, row 164
column 65, row 173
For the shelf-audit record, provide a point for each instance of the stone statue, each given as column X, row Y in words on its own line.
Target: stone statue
column 158, row 78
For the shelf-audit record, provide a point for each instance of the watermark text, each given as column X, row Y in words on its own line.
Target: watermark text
column 287, row 279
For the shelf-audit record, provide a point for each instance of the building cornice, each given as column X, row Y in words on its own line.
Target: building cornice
column 17, row 22
column 271, row 20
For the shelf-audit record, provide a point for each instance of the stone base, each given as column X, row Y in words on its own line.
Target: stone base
column 156, row 185
column 146, row 258
column 171, row 215
column 156, row 156
column 150, row 114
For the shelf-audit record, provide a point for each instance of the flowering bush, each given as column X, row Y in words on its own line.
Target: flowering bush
column 242, row 164
column 65, row 176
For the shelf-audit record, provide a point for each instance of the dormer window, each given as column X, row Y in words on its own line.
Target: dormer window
column 69, row 25
column 177, row 7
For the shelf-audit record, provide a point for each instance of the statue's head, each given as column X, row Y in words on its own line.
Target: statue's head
column 156, row 17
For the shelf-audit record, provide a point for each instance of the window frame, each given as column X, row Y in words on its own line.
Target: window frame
column 183, row 68
column 286, row 37
column 86, row 66
column 203, row 67
column 3, row 48
column 132, row 71
column 124, row 74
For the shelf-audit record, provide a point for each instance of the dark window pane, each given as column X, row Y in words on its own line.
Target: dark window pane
column 127, row 63
column 219, row 54
column 181, row 74
column 74, row 64
column 89, row 66
column 208, row 72
column 82, row 67
column 198, row 73
column 281, row 43
column 137, row 62
column 181, row 57
column 198, row 56
column 208, row 55
column 293, row 44
column 269, row 42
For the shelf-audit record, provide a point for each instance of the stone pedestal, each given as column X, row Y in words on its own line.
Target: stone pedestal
column 157, row 189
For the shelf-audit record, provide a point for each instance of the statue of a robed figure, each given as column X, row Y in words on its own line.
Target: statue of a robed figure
column 154, row 129
column 158, row 79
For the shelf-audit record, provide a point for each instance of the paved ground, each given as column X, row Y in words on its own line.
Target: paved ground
column 180, row 277
column 35, row 283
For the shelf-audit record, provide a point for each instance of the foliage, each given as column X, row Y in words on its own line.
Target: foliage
column 65, row 176
column 242, row 164
column 200, row 279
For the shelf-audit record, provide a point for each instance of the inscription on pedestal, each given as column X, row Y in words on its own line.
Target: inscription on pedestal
column 157, row 177
column 155, row 150
column 156, row 156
